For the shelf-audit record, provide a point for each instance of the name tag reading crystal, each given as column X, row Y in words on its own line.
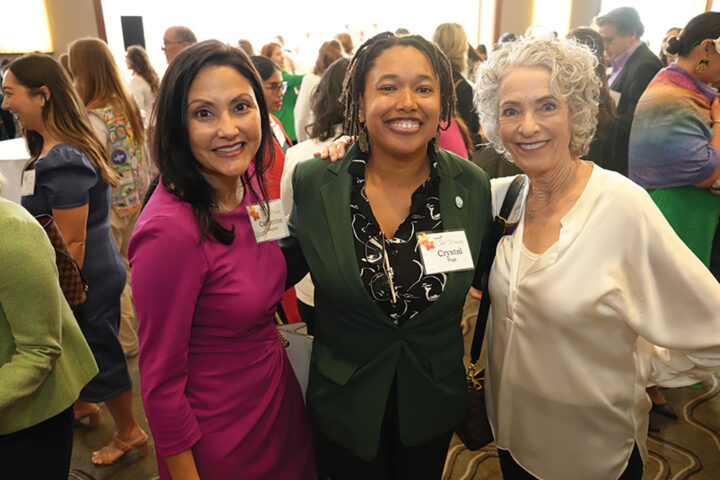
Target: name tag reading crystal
column 443, row 252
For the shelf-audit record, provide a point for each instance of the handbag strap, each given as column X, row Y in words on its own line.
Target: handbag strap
column 487, row 256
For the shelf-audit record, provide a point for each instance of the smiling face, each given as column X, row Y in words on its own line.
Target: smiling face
column 21, row 102
column 223, row 124
column 401, row 103
column 534, row 125
column 272, row 87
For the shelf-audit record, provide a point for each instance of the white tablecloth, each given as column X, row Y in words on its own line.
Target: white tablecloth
column 13, row 156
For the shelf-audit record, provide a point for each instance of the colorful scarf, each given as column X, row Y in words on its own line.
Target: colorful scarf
column 671, row 132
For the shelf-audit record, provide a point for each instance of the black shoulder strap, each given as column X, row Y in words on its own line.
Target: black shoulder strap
column 487, row 256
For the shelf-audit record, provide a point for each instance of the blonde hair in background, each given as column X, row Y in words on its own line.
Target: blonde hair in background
column 2, row 182
column 452, row 40
column 99, row 83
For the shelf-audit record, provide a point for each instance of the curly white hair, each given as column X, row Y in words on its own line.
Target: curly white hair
column 572, row 80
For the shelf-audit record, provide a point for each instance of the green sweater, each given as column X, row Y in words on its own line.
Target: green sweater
column 286, row 115
column 44, row 358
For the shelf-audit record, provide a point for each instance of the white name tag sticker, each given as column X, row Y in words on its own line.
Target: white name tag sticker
column 445, row 252
column 28, row 183
column 265, row 230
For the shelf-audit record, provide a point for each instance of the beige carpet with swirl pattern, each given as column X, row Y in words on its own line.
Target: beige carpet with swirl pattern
column 687, row 448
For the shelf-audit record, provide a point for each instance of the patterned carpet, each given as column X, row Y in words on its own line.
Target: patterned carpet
column 687, row 448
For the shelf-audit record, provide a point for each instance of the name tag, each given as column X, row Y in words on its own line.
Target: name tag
column 28, row 183
column 445, row 252
column 264, row 229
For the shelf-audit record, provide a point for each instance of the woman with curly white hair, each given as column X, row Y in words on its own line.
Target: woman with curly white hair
column 594, row 297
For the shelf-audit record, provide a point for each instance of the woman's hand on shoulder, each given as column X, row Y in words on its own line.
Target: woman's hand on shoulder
column 335, row 150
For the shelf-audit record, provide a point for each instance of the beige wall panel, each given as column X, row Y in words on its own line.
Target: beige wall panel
column 70, row 20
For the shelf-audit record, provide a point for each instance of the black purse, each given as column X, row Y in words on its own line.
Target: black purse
column 474, row 430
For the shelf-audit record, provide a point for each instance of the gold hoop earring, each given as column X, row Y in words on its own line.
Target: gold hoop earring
column 363, row 141
column 702, row 64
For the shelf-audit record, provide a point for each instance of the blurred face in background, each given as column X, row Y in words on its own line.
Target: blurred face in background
column 171, row 46
column 274, row 89
column 615, row 42
column 277, row 57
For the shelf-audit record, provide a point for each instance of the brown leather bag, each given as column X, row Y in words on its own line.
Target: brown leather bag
column 72, row 281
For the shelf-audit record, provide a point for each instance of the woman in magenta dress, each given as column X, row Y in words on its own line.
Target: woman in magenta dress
column 219, row 392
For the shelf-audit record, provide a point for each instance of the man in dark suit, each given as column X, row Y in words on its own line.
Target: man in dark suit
column 634, row 66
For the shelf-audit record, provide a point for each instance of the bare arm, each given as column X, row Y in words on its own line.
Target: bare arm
column 72, row 223
column 182, row 466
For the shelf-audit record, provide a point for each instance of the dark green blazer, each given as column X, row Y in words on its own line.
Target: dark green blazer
column 357, row 350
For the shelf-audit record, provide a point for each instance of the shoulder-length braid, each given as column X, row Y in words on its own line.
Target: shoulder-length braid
column 363, row 61
column 99, row 83
column 140, row 64
column 63, row 113
column 181, row 172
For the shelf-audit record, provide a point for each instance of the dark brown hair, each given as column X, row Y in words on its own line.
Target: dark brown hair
column 326, row 107
column 704, row 26
column 180, row 170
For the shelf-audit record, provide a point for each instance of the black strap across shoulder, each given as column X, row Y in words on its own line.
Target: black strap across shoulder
column 487, row 256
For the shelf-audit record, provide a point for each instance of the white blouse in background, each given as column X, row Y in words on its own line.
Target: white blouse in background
column 303, row 114
column 573, row 343
column 305, row 290
column 142, row 93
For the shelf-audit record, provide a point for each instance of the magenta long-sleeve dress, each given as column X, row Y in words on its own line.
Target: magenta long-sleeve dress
column 214, row 375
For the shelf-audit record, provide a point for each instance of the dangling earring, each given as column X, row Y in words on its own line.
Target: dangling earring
column 436, row 142
column 702, row 64
column 362, row 141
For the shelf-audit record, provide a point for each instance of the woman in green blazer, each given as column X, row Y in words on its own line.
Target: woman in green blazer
column 44, row 359
column 390, row 234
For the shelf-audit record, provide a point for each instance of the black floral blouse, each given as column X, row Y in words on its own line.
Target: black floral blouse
column 388, row 264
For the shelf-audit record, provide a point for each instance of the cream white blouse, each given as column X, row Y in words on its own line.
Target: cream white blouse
column 573, row 343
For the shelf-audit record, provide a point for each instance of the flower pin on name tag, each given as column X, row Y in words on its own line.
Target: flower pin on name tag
column 265, row 230
column 445, row 252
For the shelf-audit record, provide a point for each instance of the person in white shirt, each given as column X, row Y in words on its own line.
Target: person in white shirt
column 594, row 297
column 145, row 82
column 328, row 116
column 327, row 54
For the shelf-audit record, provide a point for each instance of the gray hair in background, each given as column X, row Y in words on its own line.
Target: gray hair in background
column 2, row 182
column 572, row 80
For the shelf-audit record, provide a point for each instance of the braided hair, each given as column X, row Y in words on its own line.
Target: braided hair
column 363, row 61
